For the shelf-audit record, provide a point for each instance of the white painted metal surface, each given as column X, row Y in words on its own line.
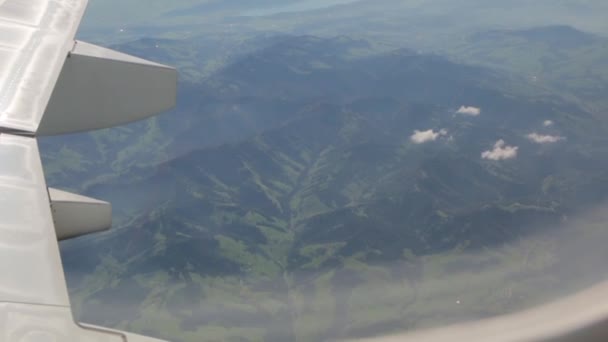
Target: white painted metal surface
column 30, row 265
column 76, row 215
column 35, row 38
column 35, row 323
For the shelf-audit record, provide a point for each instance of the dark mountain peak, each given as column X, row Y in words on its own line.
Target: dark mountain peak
column 309, row 67
column 557, row 36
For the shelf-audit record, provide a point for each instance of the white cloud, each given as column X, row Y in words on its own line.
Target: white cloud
column 544, row 139
column 421, row 137
column 500, row 152
column 548, row 123
column 470, row 111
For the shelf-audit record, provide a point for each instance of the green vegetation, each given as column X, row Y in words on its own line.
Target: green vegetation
column 284, row 199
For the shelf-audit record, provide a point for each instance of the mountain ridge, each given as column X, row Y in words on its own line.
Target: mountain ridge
column 305, row 218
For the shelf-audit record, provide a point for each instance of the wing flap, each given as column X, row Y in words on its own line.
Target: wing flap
column 100, row 88
column 77, row 215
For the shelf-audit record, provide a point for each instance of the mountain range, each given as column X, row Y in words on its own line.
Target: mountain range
column 311, row 188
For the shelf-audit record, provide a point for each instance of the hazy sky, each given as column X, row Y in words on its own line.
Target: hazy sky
column 203, row 15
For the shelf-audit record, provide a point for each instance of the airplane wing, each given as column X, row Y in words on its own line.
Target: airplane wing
column 51, row 84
